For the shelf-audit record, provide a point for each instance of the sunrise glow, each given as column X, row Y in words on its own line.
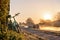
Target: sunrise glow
column 47, row 16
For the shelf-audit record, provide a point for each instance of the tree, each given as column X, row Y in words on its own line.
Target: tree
column 57, row 21
column 58, row 16
column 4, row 11
column 6, row 34
column 30, row 22
column 42, row 22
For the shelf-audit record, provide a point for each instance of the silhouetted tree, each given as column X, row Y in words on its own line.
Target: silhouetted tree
column 42, row 22
column 57, row 21
column 30, row 22
column 58, row 15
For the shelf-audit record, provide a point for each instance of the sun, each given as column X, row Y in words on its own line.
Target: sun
column 47, row 16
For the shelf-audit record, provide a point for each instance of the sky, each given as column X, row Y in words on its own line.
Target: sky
column 33, row 8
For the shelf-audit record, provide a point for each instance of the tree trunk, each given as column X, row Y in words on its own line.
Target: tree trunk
column 4, row 11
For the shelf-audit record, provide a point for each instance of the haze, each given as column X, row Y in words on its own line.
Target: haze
column 33, row 8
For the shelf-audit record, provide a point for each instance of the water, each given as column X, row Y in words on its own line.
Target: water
column 50, row 28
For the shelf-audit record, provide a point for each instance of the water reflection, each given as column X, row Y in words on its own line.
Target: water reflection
column 50, row 28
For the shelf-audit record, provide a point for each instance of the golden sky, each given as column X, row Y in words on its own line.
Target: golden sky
column 33, row 8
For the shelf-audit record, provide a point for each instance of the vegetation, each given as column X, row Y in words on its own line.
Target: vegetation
column 11, row 35
column 6, row 34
